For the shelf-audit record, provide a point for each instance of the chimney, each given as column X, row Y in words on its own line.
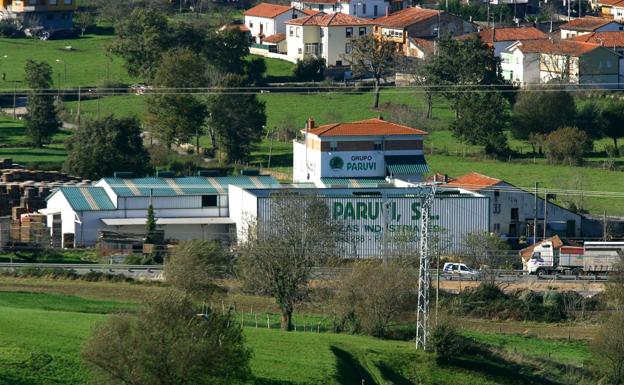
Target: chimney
column 310, row 124
column 387, row 10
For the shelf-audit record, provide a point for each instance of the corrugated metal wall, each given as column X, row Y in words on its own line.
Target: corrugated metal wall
column 377, row 226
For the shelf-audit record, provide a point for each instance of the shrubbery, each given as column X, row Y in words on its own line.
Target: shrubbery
column 310, row 69
column 58, row 273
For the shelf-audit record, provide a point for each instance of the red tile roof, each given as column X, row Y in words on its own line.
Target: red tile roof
column 586, row 24
column 406, row 17
column 611, row 2
column 557, row 46
column 324, row 20
column 267, row 10
column 368, row 127
column 323, row 1
column 511, row 34
column 274, row 38
column 310, row 12
column 607, row 39
column 474, row 181
column 427, row 46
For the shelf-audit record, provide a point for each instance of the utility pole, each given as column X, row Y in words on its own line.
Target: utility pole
column 545, row 211
column 424, row 278
column 535, row 216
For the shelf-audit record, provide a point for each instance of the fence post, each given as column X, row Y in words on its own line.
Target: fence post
column 242, row 319
column 256, row 318
column 268, row 322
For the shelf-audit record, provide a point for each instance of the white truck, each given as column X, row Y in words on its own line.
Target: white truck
column 592, row 258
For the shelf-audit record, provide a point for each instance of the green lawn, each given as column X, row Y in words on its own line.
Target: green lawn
column 42, row 334
column 87, row 63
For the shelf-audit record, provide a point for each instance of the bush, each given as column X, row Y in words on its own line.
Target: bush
column 567, row 145
column 446, row 342
column 9, row 28
column 310, row 69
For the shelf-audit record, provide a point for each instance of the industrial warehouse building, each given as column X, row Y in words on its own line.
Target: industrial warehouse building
column 185, row 207
column 377, row 221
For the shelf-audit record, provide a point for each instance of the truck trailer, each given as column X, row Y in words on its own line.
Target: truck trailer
column 592, row 258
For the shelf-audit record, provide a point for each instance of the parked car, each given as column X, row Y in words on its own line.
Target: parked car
column 453, row 269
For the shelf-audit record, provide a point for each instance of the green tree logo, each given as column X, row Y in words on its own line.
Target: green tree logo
column 336, row 163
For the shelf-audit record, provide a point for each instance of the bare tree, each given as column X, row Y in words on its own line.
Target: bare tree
column 373, row 294
column 373, row 56
column 280, row 250
column 414, row 70
column 609, row 344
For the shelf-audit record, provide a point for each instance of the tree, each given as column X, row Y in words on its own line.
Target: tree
column 41, row 119
column 372, row 295
column 141, row 40
column 609, row 345
column 613, row 115
column 168, row 342
column 484, row 249
column 84, row 20
column 310, row 69
column 102, row 146
column 151, row 228
column 567, row 145
column 414, row 69
column 481, row 119
column 279, row 253
column 256, row 69
column 194, row 265
column 541, row 112
column 175, row 117
column 237, row 120
column 373, row 56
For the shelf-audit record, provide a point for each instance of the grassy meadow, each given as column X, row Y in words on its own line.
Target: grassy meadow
column 42, row 332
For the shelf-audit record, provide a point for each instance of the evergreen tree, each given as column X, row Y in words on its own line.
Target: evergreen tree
column 150, row 226
column 41, row 119
column 102, row 146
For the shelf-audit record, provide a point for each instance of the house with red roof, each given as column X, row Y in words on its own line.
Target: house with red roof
column 589, row 24
column 326, row 36
column 560, row 60
column 419, row 23
column 361, row 8
column 368, row 149
column 610, row 40
column 612, row 9
column 513, row 210
column 501, row 38
column 266, row 19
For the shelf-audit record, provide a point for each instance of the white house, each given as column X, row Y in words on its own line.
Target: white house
column 513, row 210
column 372, row 149
column 267, row 19
column 361, row 8
column 612, row 9
column 588, row 24
column 571, row 61
column 185, row 207
column 610, row 40
column 326, row 36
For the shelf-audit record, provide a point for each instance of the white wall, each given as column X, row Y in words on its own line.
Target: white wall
column 300, row 169
column 243, row 210
column 335, row 40
column 256, row 24
column 300, row 36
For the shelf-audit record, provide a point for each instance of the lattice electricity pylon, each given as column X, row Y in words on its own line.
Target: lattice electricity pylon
column 424, row 279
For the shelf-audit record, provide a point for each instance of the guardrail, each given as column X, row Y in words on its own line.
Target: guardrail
column 81, row 266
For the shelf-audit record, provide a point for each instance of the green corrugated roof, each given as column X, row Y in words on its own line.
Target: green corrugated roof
column 87, row 198
column 192, row 185
column 406, row 164
column 353, row 182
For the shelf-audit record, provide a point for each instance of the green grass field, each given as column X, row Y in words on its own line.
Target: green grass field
column 41, row 335
column 87, row 62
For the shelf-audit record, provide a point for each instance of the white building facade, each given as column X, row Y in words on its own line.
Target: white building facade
column 373, row 148
column 267, row 19
column 324, row 36
column 365, row 8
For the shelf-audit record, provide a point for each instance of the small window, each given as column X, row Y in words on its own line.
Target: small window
column 348, row 48
column 321, row 7
column 294, row 16
column 209, row 201
column 333, row 146
column 298, row 32
column 290, row 32
column 496, row 193
column 514, row 214
column 363, row 9
column 362, row 31
column 338, row 63
column 321, row 32
column 375, row 10
column 349, row 32
column 299, row 50
column 378, row 146
column 497, row 228
column 496, row 208
column 251, row 24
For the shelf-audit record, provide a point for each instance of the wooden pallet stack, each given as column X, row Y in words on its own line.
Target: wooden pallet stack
column 32, row 228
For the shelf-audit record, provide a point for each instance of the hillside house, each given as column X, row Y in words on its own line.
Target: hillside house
column 501, row 38
column 610, row 40
column 569, row 61
column 324, row 36
column 51, row 15
column 372, row 149
column 612, row 9
column 512, row 209
column 588, row 24
column 421, row 23
column 363, row 8
column 267, row 19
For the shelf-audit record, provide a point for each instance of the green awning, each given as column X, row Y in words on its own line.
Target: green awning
column 353, row 182
column 406, row 164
